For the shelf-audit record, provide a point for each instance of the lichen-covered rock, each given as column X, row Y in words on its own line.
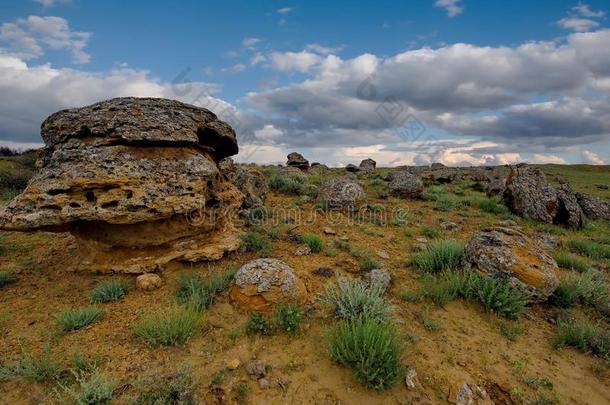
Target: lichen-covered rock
column 406, row 185
column 379, row 277
column 594, row 207
column 261, row 283
column 528, row 194
column 135, row 193
column 253, row 185
column 297, row 160
column 341, row 193
column 510, row 255
column 368, row 165
column 148, row 282
column 226, row 166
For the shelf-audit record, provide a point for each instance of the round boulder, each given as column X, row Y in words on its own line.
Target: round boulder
column 261, row 283
column 512, row 256
column 368, row 165
column 148, row 282
column 406, row 185
column 341, row 193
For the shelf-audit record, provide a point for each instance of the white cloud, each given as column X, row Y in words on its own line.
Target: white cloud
column 257, row 59
column 249, row 42
column 294, row 61
column 238, row 67
column 28, row 37
column 51, row 3
column 577, row 24
column 284, row 10
column 585, row 11
column 322, row 50
column 592, row 158
column 541, row 159
column 452, row 7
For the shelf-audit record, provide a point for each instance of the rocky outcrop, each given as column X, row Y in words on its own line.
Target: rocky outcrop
column 136, row 181
column 253, row 185
column 351, row 168
column 405, row 185
column 510, row 255
column 297, row 160
column 528, row 194
column 341, row 193
column 261, row 283
column 594, row 207
column 368, row 166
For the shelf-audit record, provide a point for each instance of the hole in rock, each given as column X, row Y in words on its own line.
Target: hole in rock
column 90, row 196
column 110, row 204
column 129, row 194
column 74, row 205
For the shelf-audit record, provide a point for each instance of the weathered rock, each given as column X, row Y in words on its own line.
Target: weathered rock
column 233, row 364
column 510, row 255
column 379, row 277
column 529, row 195
column 253, row 185
column 437, row 165
column 256, row 369
column 368, row 165
column 594, row 207
column 460, row 394
column 297, row 160
column 263, row 282
column 136, row 182
column 411, row 380
column 383, row 254
column 352, row 168
column 263, row 383
column 341, row 193
column 406, row 185
column 302, row 250
column 226, row 166
column 148, row 282
column 448, row 225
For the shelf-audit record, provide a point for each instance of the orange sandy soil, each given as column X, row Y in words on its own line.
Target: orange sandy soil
column 467, row 347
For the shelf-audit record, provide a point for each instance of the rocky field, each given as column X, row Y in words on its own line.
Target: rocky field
column 308, row 284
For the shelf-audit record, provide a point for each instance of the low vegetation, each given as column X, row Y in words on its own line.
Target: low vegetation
column 352, row 299
column 313, row 241
column 43, row 367
column 440, row 256
column 108, row 291
column 174, row 389
column 430, row 232
column 571, row 262
column 6, row 277
column 90, row 388
column 492, row 206
column 75, row 319
column 285, row 318
column 255, row 242
column 198, row 292
column 173, row 326
column 589, row 248
column 588, row 288
column 291, row 184
column 368, row 264
column 583, row 336
column 258, row 324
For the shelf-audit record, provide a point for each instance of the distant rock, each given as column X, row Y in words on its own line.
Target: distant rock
column 261, row 283
column 297, row 160
column 435, row 166
column 507, row 254
column 341, row 193
column 352, row 168
column 406, row 185
column 253, row 185
column 594, row 207
column 368, row 165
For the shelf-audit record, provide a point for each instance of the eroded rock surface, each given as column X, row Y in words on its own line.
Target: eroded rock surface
column 510, row 255
column 406, row 185
column 297, row 160
column 594, row 207
column 341, row 193
column 136, row 181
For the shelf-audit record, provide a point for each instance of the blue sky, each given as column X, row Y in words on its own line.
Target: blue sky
column 475, row 82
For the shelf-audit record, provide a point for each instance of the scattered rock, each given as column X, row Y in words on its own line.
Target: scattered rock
column 508, row 223
column 406, row 185
column 548, row 241
column 344, row 238
column 368, row 165
column 297, row 160
column 329, row 231
column 323, row 272
column 460, row 394
column 261, row 283
column 127, row 178
column 383, row 254
column 594, row 207
column 341, row 193
column 352, row 168
column 148, row 282
column 411, row 378
column 256, row 369
column 226, row 166
column 569, row 212
column 263, row 383
column 510, row 255
column 303, row 250
column 602, row 186
column 421, row 239
column 379, row 277
column 437, row 165
column 448, row 225
column 234, row 364
column 253, row 185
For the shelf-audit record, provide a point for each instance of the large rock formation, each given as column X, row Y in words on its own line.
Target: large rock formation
column 368, row 166
column 510, row 255
column 136, row 181
column 341, row 193
column 406, row 185
column 594, row 207
column 297, row 160
column 528, row 194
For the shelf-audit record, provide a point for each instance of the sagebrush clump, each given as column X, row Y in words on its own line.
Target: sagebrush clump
column 173, row 326
column 351, row 299
column 440, row 256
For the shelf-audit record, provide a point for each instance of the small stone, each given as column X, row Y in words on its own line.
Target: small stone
column 508, row 223
column 303, row 250
column 233, row 364
column 263, row 383
column 379, row 277
column 323, row 272
column 460, row 394
column 329, row 231
column 344, row 238
column 420, row 246
column 410, row 378
column 449, row 226
column 383, row 254
column 148, row 282
column 256, row 369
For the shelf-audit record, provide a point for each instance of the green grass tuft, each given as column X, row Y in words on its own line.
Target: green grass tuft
column 584, row 337
column 370, row 348
column 172, row 389
column 37, row 368
column 287, row 317
column 571, row 262
column 91, row 389
column 492, row 206
column 351, row 299
column 257, row 324
column 430, row 232
column 440, row 256
column 7, row 277
column 198, row 292
column 588, row 288
column 173, row 326
column 108, row 291
column 368, row 264
column 589, row 248
column 255, row 242
column 75, row 319
column 313, row 241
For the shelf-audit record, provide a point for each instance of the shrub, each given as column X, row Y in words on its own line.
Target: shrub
column 174, row 389
column 375, row 208
column 588, row 288
column 571, row 262
column 498, row 296
column 492, row 206
column 287, row 317
column 441, row 290
column 173, row 326
column 37, row 368
column 108, row 291
column 368, row 264
column 431, row 325
column 430, row 232
column 257, row 324
column 95, row 388
column 7, row 277
column 343, row 245
column 292, row 184
column 321, row 205
column 589, row 248
column 313, row 241
column 575, row 334
column 198, row 293
column 351, row 299
column 257, row 216
column 255, row 242
column 511, row 330
column 74, row 319
column 370, row 348
column 445, row 203
column 440, row 256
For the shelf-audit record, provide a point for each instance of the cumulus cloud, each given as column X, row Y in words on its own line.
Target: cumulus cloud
column 585, row 11
column 294, row 61
column 27, row 38
column 581, row 19
column 452, row 7
column 592, row 158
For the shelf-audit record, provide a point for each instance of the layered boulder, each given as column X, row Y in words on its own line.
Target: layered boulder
column 510, row 255
column 136, row 181
column 528, row 194
column 297, row 160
